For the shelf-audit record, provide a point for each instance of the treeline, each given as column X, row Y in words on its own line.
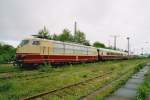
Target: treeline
column 67, row 36
column 7, row 53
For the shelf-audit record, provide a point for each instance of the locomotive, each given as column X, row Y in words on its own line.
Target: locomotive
column 35, row 51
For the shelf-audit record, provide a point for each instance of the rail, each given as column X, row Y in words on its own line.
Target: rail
column 66, row 87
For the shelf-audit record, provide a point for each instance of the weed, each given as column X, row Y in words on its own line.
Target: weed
column 5, row 87
column 112, row 68
column 144, row 88
column 84, row 76
column 97, row 98
column 142, row 91
column 45, row 68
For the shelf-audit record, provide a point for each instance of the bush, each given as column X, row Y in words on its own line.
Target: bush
column 7, row 53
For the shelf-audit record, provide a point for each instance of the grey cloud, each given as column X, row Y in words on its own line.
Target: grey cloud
column 97, row 18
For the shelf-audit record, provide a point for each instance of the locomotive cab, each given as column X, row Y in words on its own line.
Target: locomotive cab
column 28, row 46
column 26, row 49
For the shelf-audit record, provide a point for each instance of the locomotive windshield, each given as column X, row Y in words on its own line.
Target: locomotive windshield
column 24, row 42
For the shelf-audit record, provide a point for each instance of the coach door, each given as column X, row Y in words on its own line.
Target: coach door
column 44, row 50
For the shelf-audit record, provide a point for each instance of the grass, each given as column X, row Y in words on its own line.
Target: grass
column 59, row 77
column 4, row 68
column 144, row 87
column 45, row 68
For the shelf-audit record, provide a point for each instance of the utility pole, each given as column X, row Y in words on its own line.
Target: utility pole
column 128, row 39
column 115, row 41
column 142, row 51
column 75, row 30
column 108, row 43
column 75, row 27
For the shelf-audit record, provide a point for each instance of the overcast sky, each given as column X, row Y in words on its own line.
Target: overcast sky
column 99, row 19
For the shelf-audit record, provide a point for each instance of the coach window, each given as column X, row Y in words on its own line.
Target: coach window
column 36, row 42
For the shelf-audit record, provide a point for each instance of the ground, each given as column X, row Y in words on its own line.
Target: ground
column 18, row 83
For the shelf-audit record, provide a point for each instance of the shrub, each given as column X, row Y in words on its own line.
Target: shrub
column 7, row 53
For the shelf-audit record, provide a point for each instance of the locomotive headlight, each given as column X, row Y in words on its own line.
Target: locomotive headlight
column 22, row 55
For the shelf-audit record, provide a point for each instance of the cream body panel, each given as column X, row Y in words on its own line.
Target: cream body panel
column 46, row 48
column 28, row 49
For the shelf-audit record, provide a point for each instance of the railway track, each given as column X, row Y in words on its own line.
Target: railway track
column 106, row 86
column 62, row 92
column 5, row 75
column 56, row 91
column 20, row 76
column 25, row 77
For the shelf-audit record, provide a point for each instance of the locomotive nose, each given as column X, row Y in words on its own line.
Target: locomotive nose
column 20, row 58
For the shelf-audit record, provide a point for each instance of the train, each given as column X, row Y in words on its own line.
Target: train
column 36, row 51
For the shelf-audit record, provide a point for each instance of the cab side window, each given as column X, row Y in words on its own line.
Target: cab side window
column 36, row 43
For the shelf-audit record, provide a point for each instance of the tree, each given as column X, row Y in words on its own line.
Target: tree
column 87, row 43
column 112, row 48
column 44, row 34
column 99, row 45
column 54, row 37
column 65, row 36
column 7, row 53
column 79, row 37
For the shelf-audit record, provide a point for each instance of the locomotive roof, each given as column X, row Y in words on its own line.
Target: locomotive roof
column 71, row 43
column 110, row 50
column 101, row 49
